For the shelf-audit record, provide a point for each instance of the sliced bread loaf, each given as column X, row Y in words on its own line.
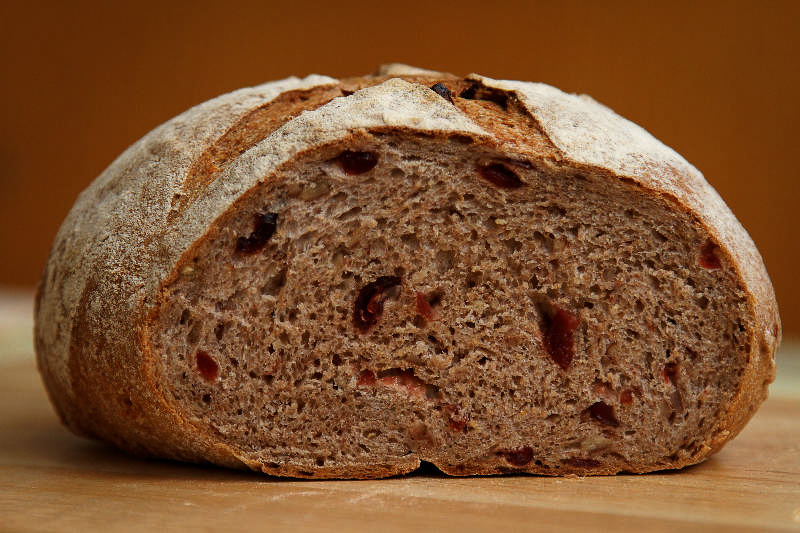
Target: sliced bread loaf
column 322, row 278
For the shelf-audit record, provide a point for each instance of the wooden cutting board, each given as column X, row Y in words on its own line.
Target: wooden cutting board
column 51, row 480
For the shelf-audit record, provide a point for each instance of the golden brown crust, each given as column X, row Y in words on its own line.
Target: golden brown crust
column 103, row 381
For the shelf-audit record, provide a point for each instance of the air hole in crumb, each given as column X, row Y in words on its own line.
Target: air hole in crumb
column 461, row 139
column 219, row 331
column 274, row 284
column 474, row 278
column 206, row 398
column 354, row 163
column 513, row 245
column 350, row 213
column 194, row 334
column 410, row 240
column 185, row 316
column 659, row 236
column 264, row 226
column 603, row 413
column 543, row 242
column 500, row 175
column 632, row 333
column 445, row 260
column 692, row 354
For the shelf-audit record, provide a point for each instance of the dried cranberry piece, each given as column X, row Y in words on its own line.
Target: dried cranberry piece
column 558, row 330
column 708, row 256
column 403, row 378
column 206, row 365
column 603, row 413
column 456, row 424
column 424, row 307
column 354, row 163
column 626, row 397
column 264, row 226
column 500, row 175
column 442, row 90
column 367, row 377
column 581, row 462
column 519, row 457
column 670, row 373
column 456, row 419
column 368, row 305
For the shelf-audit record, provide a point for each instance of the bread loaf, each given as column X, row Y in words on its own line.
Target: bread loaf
column 341, row 278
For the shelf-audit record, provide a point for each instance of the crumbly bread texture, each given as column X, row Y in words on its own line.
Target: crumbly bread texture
column 341, row 278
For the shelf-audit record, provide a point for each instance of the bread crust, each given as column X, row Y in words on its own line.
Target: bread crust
column 132, row 229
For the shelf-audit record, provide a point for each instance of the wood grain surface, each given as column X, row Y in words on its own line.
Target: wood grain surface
column 51, row 480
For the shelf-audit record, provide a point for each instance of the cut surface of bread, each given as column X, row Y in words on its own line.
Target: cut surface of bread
column 351, row 277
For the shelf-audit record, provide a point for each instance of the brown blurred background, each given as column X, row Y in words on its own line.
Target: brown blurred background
column 717, row 81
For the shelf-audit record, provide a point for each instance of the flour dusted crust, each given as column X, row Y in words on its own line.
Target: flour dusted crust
column 130, row 232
